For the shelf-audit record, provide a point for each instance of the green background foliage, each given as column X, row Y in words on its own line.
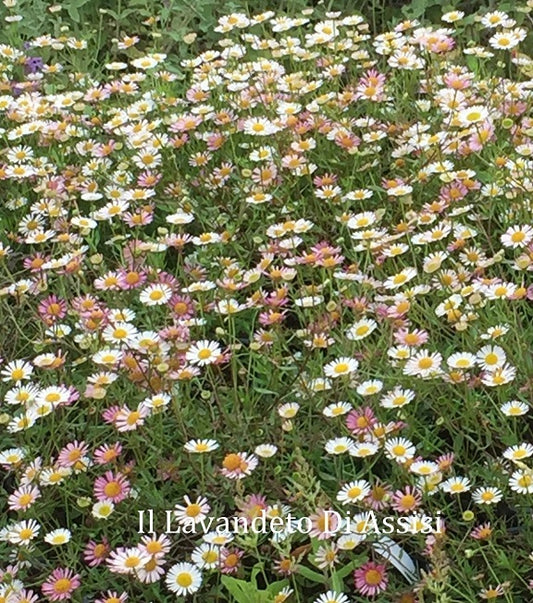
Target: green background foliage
column 163, row 24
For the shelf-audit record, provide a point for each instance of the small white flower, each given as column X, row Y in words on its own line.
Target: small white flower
column 57, row 537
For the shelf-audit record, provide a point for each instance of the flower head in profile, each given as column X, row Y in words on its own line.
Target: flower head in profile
column 332, row 597
column 237, row 465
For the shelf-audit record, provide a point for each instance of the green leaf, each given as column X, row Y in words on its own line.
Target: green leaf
column 417, row 8
column 336, row 583
column 73, row 13
column 245, row 592
column 262, row 390
column 350, row 567
column 312, row 575
column 239, row 589
column 274, row 588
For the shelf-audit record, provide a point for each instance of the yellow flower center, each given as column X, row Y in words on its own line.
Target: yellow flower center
column 62, row 585
column 210, row 556
column 425, row 363
column 184, row 579
column 153, row 547
column 408, row 501
column 491, row 358
column 132, row 561
column 25, row 499
column 232, row 462
column 25, row 533
column 525, row 481
column 373, row 577
column 354, row 492
column 193, row 510
column 17, row 374
column 112, row 489
column 133, row 417
column 399, row 279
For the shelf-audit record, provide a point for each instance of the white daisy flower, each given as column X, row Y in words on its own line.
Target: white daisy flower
column 58, row 537
column 266, row 451
column 183, row 579
column 341, row 367
column 155, row 295
column 399, row 450
column 353, row 492
column 487, row 495
column 337, row 409
column 361, row 329
column 455, row 485
column 522, row 481
column 339, row 445
column 514, row 408
column 397, row 398
column 518, row 452
column 363, row 449
column 203, row 352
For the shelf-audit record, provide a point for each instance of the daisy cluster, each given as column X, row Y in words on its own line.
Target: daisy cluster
column 295, row 278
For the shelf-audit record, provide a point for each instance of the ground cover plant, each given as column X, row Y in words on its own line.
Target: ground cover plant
column 289, row 281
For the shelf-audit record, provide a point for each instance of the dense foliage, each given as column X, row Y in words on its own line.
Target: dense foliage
column 289, row 277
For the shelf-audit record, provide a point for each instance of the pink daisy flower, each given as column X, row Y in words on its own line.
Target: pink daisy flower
column 482, row 532
column 379, row 497
column 52, row 309
column 370, row 579
column 230, row 560
column 148, row 179
column 182, row 306
column 323, row 524
column 96, row 553
column 130, row 279
column 112, row 596
column 237, row 465
column 61, row 584
column 112, row 487
column 361, row 420
column 107, row 453
column 23, row 498
column 72, row 453
column 110, row 414
column 252, row 506
column 34, row 263
column 407, row 500
column 128, row 420
column 413, row 338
